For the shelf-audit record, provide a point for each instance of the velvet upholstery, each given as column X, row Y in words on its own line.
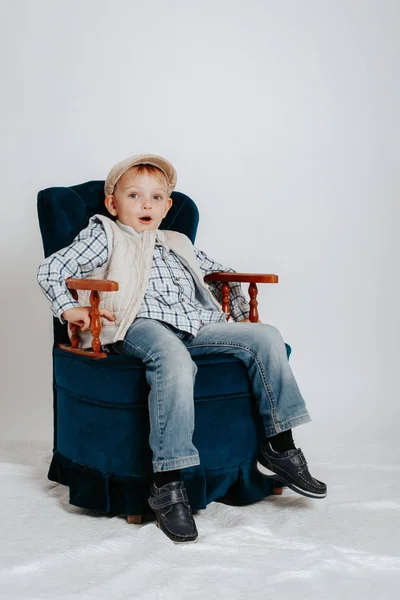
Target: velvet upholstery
column 101, row 423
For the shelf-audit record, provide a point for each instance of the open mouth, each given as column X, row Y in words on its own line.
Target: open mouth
column 145, row 219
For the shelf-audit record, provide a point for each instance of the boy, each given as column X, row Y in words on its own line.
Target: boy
column 165, row 315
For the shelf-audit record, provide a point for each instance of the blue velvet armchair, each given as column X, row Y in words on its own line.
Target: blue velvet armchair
column 101, row 424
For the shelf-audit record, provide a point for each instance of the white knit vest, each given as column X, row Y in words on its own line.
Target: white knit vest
column 129, row 263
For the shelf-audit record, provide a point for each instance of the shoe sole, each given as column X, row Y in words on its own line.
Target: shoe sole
column 175, row 541
column 264, row 471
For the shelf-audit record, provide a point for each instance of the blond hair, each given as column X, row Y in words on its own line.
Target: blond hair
column 150, row 170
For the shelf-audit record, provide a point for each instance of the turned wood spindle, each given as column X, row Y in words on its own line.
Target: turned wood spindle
column 74, row 328
column 226, row 290
column 253, row 291
column 95, row 323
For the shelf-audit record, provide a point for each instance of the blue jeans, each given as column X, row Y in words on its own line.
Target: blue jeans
column 170, row 372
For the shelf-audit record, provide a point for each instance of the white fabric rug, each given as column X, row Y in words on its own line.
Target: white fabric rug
column 346, row 546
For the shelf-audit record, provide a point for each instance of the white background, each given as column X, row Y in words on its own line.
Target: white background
column 282, row 121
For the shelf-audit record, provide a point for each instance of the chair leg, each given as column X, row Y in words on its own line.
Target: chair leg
column 278, row 491
column 135, row 519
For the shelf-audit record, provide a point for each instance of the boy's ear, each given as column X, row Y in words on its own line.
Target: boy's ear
column 110, row 205
column 169, row 204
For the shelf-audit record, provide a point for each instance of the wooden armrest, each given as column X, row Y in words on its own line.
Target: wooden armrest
column 97, row 285
column 94, row 286
column 243, row 277
column 251, row 278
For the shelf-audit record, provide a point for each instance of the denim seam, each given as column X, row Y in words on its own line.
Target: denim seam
column 300, row 420
column 304, row 415
column 161, row 426
column 185, row 461
column 267, row 386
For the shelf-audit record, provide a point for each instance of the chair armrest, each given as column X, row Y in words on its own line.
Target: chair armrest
column 251, row 278
column 94, row 286
column 242, row 277
column 98, row 285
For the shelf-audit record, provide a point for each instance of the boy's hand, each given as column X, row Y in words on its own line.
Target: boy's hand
column 81, row 316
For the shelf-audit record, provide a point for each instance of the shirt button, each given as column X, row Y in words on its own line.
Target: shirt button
column 183, row 299
column 177, row 278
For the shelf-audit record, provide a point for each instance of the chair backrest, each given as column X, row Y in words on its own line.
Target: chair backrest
column 64, row 211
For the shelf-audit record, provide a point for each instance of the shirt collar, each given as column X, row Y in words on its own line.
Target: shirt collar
column 160, row 236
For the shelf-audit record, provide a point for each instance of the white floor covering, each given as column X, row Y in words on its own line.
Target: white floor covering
column 346, row 546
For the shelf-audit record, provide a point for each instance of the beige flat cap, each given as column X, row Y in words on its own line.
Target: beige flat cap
column 140, row 159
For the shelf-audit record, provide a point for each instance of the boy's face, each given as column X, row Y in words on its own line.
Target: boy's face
column 140, row 200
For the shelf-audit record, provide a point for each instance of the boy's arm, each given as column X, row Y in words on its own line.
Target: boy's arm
column 240, row 308
column 87, row 252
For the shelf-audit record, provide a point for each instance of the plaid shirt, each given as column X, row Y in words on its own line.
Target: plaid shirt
column 171, row 291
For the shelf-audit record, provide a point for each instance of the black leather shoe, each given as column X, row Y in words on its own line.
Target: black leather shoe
column 291, row 469
column 174, row 517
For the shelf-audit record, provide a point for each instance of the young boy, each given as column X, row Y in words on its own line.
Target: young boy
column 165, row 315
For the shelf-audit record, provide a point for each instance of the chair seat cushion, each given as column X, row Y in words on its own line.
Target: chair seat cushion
column 121, row 381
